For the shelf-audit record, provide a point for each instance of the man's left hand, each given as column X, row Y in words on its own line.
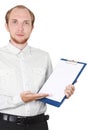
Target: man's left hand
column 69, row 90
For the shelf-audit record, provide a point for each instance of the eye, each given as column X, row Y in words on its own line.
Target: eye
column 26, row 22
column 14, row 21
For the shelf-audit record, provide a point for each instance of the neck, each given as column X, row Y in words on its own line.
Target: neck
column 19, row 45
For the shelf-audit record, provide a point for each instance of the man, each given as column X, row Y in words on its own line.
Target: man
column 23, row 71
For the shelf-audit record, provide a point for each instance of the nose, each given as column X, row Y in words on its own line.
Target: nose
column 20, row 27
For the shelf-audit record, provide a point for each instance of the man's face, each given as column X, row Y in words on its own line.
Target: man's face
column 19, row 26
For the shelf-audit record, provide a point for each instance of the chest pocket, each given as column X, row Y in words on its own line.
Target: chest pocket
column 37, row 78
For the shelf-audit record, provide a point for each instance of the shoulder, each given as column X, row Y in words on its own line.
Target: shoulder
column 3, row 49
column 40, row 56
column 39, row 52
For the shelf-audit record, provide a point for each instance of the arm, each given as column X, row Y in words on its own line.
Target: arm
column 12, row 102
column 28, row 96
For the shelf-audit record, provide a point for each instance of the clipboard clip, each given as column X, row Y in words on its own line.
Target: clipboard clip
column 72, row 62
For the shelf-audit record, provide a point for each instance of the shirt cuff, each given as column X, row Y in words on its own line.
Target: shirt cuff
column 17, row 100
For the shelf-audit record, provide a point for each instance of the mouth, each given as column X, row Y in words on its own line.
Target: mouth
column 20, row 35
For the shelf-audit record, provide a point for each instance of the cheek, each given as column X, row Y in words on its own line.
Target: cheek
column 12, row 29
column 28, row 32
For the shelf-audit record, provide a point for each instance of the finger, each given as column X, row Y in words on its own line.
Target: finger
column 40, row 95
column 36, row 96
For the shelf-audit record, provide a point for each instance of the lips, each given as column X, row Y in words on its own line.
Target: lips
column 20, row 35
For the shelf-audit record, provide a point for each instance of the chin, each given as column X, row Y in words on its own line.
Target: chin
column 19, row 41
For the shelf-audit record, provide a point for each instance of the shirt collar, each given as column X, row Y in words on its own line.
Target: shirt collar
column 17, row 51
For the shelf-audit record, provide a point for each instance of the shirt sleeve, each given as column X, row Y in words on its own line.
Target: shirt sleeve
column 49, row 67
column 10, row 102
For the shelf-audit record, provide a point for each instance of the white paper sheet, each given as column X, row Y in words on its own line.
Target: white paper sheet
column 64, row 74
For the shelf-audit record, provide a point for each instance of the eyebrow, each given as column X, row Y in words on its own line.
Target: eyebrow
column 23, row 20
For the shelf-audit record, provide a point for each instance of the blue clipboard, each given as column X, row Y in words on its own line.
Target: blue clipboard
column 57, row 103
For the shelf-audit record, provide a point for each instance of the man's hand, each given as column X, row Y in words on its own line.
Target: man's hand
column 28, row 96
column 69, row 90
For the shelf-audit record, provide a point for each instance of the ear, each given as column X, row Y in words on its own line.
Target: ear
column 7, row 28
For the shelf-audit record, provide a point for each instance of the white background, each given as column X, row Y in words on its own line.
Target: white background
column 61, row 29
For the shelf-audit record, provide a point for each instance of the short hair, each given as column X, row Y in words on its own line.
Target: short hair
column 20, row 7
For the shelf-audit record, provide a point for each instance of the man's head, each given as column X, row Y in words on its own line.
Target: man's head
column 19, row 23
column 19, row 7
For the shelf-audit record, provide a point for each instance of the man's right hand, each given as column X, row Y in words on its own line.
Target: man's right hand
column 28, row 96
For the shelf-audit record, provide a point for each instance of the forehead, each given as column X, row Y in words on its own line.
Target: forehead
column 20, row 13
